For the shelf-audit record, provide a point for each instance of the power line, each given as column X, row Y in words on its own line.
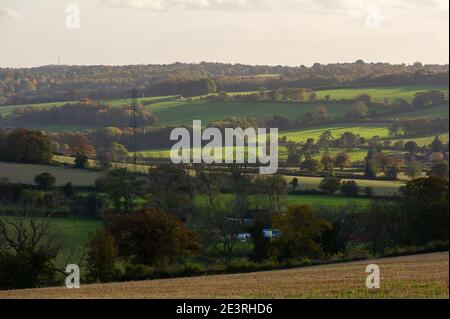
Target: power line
column 133, row 126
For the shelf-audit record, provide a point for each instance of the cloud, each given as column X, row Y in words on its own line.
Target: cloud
column 213, row 5
column 351, row 7
column 8, row 14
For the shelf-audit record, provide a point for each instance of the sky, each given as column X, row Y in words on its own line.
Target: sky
column 263, row 32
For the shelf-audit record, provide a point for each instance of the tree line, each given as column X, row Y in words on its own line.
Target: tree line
column 65, row 83
column 85, row 112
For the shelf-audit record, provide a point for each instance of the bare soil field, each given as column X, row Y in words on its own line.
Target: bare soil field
column 418, row 276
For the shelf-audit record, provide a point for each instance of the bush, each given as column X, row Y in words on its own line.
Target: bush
column 238, row 266
column 330, row 184
column 357, row 252
column 349, row 188
column 138, row 272
column 25, row 270
column 45, row 180
column 68, row 190
column 368, row 191
column 191, row 268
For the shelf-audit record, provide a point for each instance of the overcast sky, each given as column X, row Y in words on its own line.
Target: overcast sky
column 286, row 32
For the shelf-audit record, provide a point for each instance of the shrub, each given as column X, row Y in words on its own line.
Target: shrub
column 25, row 270
column 45, row 180
column 238, row 266
column 330, row 184
column 137, row 272
column 349, row 188
column 368, row 191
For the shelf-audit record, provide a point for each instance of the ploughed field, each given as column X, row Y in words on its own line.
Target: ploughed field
column 417, row 276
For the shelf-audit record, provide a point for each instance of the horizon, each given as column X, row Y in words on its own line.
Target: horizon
column 248, row 32
column 215, row 62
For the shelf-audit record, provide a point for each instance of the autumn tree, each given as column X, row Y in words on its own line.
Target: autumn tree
column 342, row 160
column 413, row 169
column 358, row 110
column 330, row 184
column 300, row 232
column 28, row 146
column 101, row 256
column 152, row 237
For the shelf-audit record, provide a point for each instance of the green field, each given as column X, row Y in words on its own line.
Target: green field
column 313, row 200
column 366, row 131
column 72, row 234
column 431, row 112
column 379, row 187
column 380, row 93
column 426, row 140
column 170, row 110
column 185, row 112
column 7, row 109
column 324, row 200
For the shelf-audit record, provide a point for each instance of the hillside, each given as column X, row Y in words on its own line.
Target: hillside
column 419, row 276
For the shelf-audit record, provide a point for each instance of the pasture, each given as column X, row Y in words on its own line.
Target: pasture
column 380, row 93
column 364, row 130
column 7, row 109
column 425, row 140
column 313, row 200
column 172, row 113
column 431, row 112
column 416, row 276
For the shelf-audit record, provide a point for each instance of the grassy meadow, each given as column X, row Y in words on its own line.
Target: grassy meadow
column 380, row 93
column 171, row 110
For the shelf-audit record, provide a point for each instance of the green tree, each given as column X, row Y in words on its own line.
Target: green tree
column 437, row 145
column 273, row 187
column 68, row 190
column 152, row 237
column 368, row 191
column 349, row 188
column 171, row 189
column 328, row 164
column 81, row 161
column 411, row 147
column 413, row 169
column 45, row 181
column 294, row 183
column 425, row 203
column 122, row 186
column 439, row 170
column 358, row 110
column 342, row 160
column 311, row 165
column 330, row 184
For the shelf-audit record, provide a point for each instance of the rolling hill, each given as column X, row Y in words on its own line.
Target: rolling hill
column 418, row 276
